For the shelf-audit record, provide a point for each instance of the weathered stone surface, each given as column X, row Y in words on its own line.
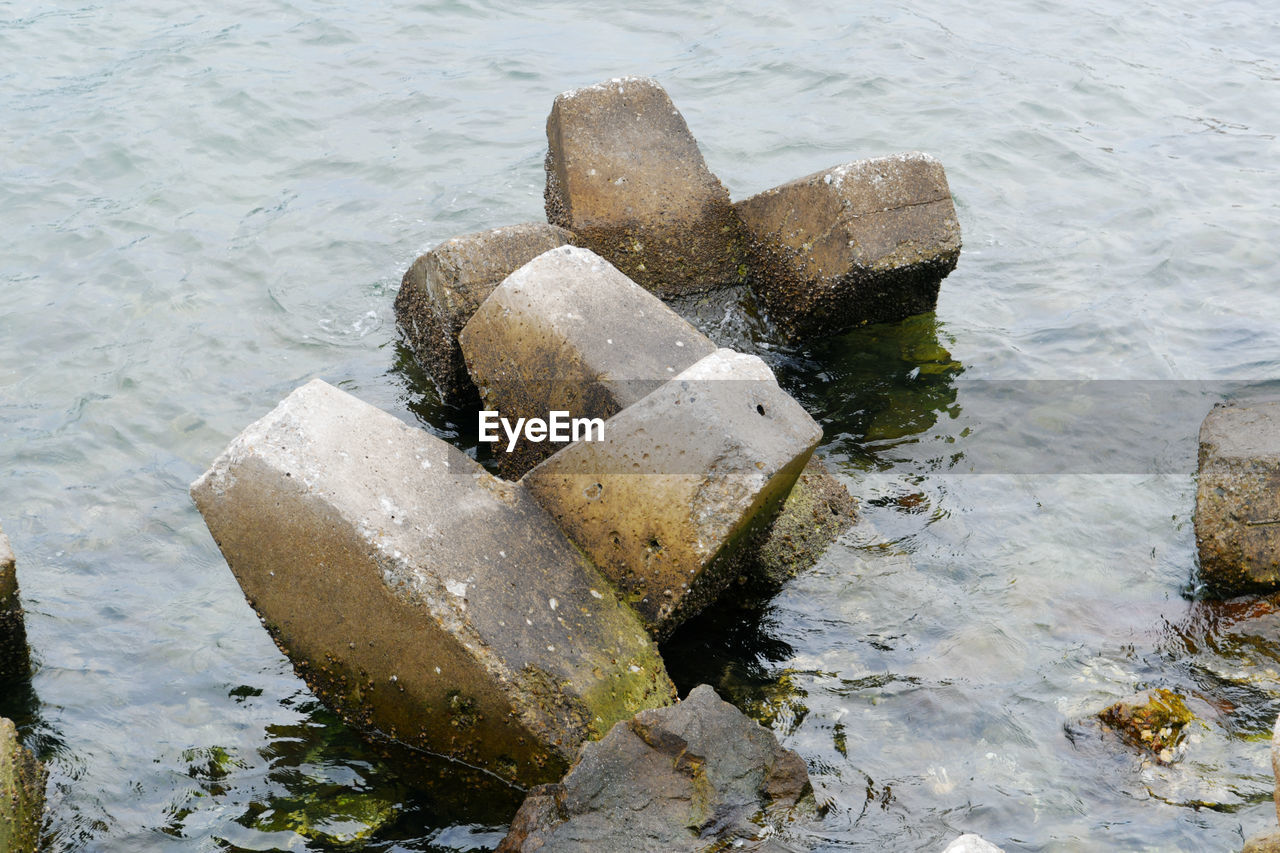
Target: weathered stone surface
column 15, row 659
column 22, row 781
column 1154, row 720
column 866, row 242
column 626, row 176
column 1269, row 843
column 444, row 287
column 682, row 479
column 698, row 776
column 970, row 843
column 1238, row 499
column 568, row 331
column 420, row 597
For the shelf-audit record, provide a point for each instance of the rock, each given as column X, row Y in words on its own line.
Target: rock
column 1275, row 764
column 568, row 331
column 683, row 478
column 444, row 287
column 971, row 843
column 1269, row 843
column 866, row 242
column 1154, row 720
column 420, row 597
column 15, row 659
column 1238, row 499
column 626, row 176
column 22, row 781
column 697, row 776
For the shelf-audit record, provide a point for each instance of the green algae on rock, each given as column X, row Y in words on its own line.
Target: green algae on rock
column 22, row 782
column 1155, row 721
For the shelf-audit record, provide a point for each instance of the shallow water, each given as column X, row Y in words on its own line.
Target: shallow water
column 204, row 209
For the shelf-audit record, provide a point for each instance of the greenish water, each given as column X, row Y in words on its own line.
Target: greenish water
column 204, row 208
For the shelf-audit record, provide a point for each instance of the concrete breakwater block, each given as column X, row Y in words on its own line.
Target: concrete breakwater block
column 444, row 287
column 626, row 176
column 696, row 776
column 15, row 658
column 22, row 783
column 420, row 597
column 1238, row 499
column 568, row 331
column 683, row 478
column 866, row 242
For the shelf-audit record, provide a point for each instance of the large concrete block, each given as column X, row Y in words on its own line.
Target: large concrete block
column 682, row 479
column 1238, row 499
column 15, row 659
column 444, row 287
column 866, row 242
column 22, row 783
column 569, row 332
column 419, row 596
column 626, row 176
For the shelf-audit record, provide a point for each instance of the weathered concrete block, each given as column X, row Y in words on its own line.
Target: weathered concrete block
column 420, row 597
column 444, row 287
column 697, row 776
column 1238, row 499
column 15, row 658
column 22, row 782
column 866, row 242
column 626, row 176
column 568, row 331
column 682, row 479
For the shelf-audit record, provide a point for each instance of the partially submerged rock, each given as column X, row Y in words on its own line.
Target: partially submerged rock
column 22, row 782
column 970, row 843
column 626, row 176
column 698, row 776
column 420, row 597
column 15, row 658
column 865, row 242
column 1238, row 499
column 683, row 479
column 1154, row 721
column 445, row 286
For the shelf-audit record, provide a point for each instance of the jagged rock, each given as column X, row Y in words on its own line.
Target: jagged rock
column 1154, row 720
column 1238, row 499
column 683, row 478
column 419, row 596
column 22, row 781
column 626, row 176
column 15, row 658
column 698, row 776
column 970, row 843
column 445, row 286
column 865, row 242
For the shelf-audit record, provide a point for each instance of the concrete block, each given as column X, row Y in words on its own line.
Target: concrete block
column 626, row 176
column 568, row 331
column 420, row 597
column 1238, row 499
column 22, row 783
column 684, row 477
column 866, row 242
column 444, row 287
column 15, row 658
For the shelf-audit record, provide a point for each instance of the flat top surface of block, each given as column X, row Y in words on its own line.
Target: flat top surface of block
column 1246, row 432
column 7, row 560
column 473, row 264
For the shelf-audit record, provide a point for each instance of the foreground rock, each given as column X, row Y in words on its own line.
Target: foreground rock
column 1238, row 499
column 698, row 776
column 866, row 242
column 683, row 479
column 445, row 286
column 1154, row 721
column 626, row 176
column 971, row 843
column 15, row 659
column 22, row 781
column 420, row 597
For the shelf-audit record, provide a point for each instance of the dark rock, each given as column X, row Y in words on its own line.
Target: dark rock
column 698, row 776
column 22, row 783
column 1154, row 720
column 626, row 176
column 15, row 658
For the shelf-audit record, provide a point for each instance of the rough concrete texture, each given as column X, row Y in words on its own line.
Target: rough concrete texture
column 444, row 287
column 1154, row 720
column 626, row 176
column 866, row 242
column 420, row 597
column 971, row 843
column 15, row 659
column 22, row 782
column 568, row 331
column 1269, row 843
column 683, row 478
column 698, row 776
column 1238, row 499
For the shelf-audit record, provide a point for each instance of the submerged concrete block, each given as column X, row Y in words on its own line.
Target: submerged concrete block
column 568, row 331
column 626, row 176
column 22, row 783
column 682, row 479
column 866, row 242
column 444, row 287
column 1238, row 499
column 15, row 658
column 420, row 597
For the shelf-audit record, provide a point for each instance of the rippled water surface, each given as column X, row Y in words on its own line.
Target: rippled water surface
column 203, row 209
